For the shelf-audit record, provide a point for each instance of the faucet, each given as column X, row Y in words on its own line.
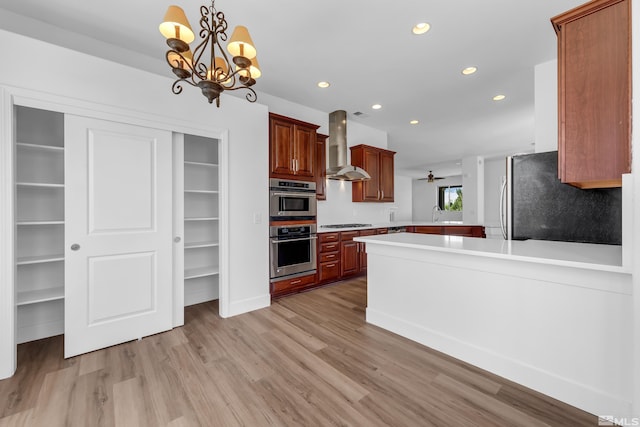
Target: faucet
column 435, row 213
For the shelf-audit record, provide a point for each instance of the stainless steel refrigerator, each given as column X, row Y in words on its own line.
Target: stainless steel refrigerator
column 536, row 205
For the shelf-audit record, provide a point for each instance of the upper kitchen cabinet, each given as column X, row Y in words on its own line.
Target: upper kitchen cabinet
column 292, row 146
column 594, row 93
column 379, row 164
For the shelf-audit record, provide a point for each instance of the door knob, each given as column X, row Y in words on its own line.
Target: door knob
column 75, row 247
column 177, row 239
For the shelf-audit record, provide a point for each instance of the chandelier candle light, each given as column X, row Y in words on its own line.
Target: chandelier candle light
column 208, row 66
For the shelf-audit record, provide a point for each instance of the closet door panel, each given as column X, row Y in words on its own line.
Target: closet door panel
column 118, row 233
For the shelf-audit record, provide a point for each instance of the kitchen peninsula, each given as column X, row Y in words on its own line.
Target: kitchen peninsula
column 553, row 316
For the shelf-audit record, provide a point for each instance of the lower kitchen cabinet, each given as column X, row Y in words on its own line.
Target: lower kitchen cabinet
column 449, row 230
column 349, row 253
column 362, row 250
column 328, row 257
column 288, row 286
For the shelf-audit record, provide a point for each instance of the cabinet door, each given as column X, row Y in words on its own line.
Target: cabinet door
column 349, row 258
column 304, row 151
column 281, row 147
column 385, row 177
column 594, row 104
column 371, row 163
column 118, row 233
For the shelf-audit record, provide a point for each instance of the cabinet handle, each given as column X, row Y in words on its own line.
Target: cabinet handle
column 295, row 282
column 75, row 247
column 297, row 165
column 331, row 265
column 330, row 256
column 382, row 191
column 293, row 165
column 177, row 239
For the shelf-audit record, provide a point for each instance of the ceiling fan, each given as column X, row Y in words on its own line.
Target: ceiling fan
column 431, row 178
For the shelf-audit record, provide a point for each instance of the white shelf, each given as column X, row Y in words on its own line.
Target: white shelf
column 209, row 165
column 47, row 222
column 41, row 295
column 194, row 245
column 202, row 191
column 40, row 146
column 201, row 219
column 39, row 185
column 194, row 273
column 39, row 259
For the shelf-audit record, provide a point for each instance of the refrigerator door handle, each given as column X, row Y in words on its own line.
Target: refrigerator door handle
column 503, row 225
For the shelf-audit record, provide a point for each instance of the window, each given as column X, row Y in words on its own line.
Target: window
column 450, row 198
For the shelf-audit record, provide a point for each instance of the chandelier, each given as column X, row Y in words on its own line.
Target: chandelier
column 208, row 66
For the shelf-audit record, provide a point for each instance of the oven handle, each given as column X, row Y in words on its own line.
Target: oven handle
column 284, row 193
column 293, row 240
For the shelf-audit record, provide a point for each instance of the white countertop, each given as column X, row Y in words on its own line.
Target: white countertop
column 567, row 254
column 322, row 229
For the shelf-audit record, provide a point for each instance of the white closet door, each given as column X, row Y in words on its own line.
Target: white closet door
column 118, row 233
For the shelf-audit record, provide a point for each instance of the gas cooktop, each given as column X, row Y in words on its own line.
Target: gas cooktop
column 345, row 225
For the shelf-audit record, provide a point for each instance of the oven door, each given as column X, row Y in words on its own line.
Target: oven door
column 291, row 256
column 292, row 204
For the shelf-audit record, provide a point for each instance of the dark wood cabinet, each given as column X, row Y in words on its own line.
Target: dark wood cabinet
column 349, row 254
column 379, row 163
column 362, row 249
column 321, row 166
column 594, row 93
column 449, row 230
column 328, row 257
column 292, row 148
column 288, row 286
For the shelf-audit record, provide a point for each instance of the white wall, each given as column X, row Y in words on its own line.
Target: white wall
column 473, row 190
column 635, row 209
column 50, row 69
column 338, row 207
column 546, row 108
column 425, row 197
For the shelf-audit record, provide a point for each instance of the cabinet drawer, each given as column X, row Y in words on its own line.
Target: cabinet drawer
column 382, row 231
column 287, row 284
column 345, row 236
column 328, row 257
column 329, row 247
column 328, row 237
column 371, row 232
column 329, row 271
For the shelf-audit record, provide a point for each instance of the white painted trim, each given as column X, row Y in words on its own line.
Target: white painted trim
column 7, row 239
column 224, row 289
column 178, row 228
column 247, row 305
column 571, row 392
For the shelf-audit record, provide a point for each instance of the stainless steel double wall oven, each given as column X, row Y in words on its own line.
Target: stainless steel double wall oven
column 292, row 231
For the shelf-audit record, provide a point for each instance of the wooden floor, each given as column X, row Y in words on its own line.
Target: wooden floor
column 308, row 360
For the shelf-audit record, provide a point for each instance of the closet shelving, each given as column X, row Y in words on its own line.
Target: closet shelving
column 39, row 214
column 201, row 221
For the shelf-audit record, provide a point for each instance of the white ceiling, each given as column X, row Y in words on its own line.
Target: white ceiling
column 365, row 48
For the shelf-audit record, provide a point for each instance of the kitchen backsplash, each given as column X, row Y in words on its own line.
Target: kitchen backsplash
column 338, row 208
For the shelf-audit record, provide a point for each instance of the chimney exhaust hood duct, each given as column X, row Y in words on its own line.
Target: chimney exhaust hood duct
column 338, row 166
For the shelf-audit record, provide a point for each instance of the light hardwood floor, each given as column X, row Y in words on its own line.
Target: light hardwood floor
column 308, row 360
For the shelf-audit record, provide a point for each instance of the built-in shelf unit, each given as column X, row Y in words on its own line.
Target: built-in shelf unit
column 201, row 222
column 39, row 217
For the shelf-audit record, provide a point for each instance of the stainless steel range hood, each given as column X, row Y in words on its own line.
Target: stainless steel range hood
column 338, row 166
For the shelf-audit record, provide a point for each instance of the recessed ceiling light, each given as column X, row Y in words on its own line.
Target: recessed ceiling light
column 469, row 70
column 499, row 97
column 421, row 28
column 376, row 106
column 414, row 122
column 323, row 84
